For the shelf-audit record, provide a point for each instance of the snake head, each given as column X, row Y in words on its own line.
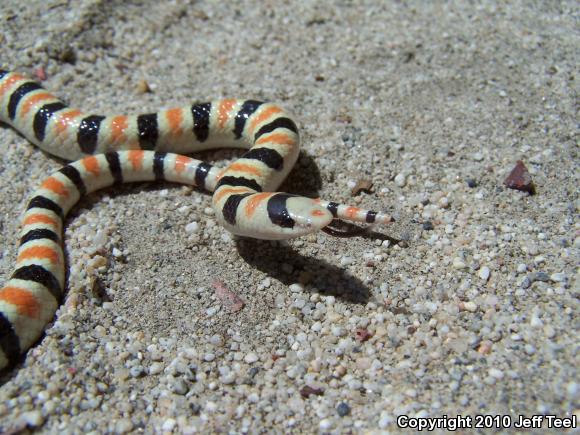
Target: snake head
column 272, row 216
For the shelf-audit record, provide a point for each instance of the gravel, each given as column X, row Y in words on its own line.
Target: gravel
column 475, row 312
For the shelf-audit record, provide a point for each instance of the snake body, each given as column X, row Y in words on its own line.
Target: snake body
column 118, row 149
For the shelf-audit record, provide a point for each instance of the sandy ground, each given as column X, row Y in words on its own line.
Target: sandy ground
column 476, row 313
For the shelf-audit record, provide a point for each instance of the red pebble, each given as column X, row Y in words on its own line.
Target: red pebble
column 520, row 179
column 40, row 73
column 308, row 391
column 232, row 302
column 362, row 334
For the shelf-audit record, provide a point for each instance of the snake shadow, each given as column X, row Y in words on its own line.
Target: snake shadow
column 281, row 262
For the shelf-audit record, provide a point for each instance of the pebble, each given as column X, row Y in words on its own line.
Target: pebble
column 296, row 288
column 459, row 264
column 32, row 418
column 400, row 180
column 536, row 322
column 169, row 425
column 192, row 227
column 251, row 358
column 558, row 277
column 156, row 368
column 484, row 273
column 179, row 386
column 385, row 420
column 343, row 409
column 137, row 371
column 428, row 225
column 520, row 179
column 325, row 424
column 471, row 183
column 123, row 425
column 470, row 306
column 539, row 276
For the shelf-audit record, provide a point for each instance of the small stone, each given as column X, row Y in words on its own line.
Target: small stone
column 572, row 389
column 251, row 358
column 522, row 268
column 400, row 180
column 137, row 371
column 155, row 368
column 468, row 306
column 484, row 273
column 459, row 264
column 325, row 424
column 539, row 276
column 526, row 283
column 169, row 425
column 558, row 277
column 124, row 425
column 478, row 157
column 363, row 185
column 385, row 420
column 485, row 347
column 471, row 183
column 308, row 391
column 536, row 322
column 296, row 288
column 495, row 373
column 362, row 334
column 143, row 87
column 179, row 387
column 428, row 225
column 520, row 179
column 343, row 409
column 192, row 227
column 32, row 418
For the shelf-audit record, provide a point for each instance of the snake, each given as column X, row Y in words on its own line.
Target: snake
column 110, row 150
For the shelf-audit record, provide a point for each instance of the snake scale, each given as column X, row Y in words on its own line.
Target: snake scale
column 119, row 149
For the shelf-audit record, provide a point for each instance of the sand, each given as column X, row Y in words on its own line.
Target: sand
column 474, row 312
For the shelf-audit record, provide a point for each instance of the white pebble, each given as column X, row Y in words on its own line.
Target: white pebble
column 209, row 357
column 385, row 420
column 168, row 425
column 251, row 358
column 495, row 373
column 32, row 418
column 572, row 389
column 478, row 157
column 536, row 322
column 155, row 368
column 400, row 180
column 192, row 227
column 459, row 264
column 211, row 311
column 470, row 306
column 216, row 340
column 345, row 261
column 522, row 268
column 558, row 277
column 325, row 424
column 484, row 273
column 296, row 288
